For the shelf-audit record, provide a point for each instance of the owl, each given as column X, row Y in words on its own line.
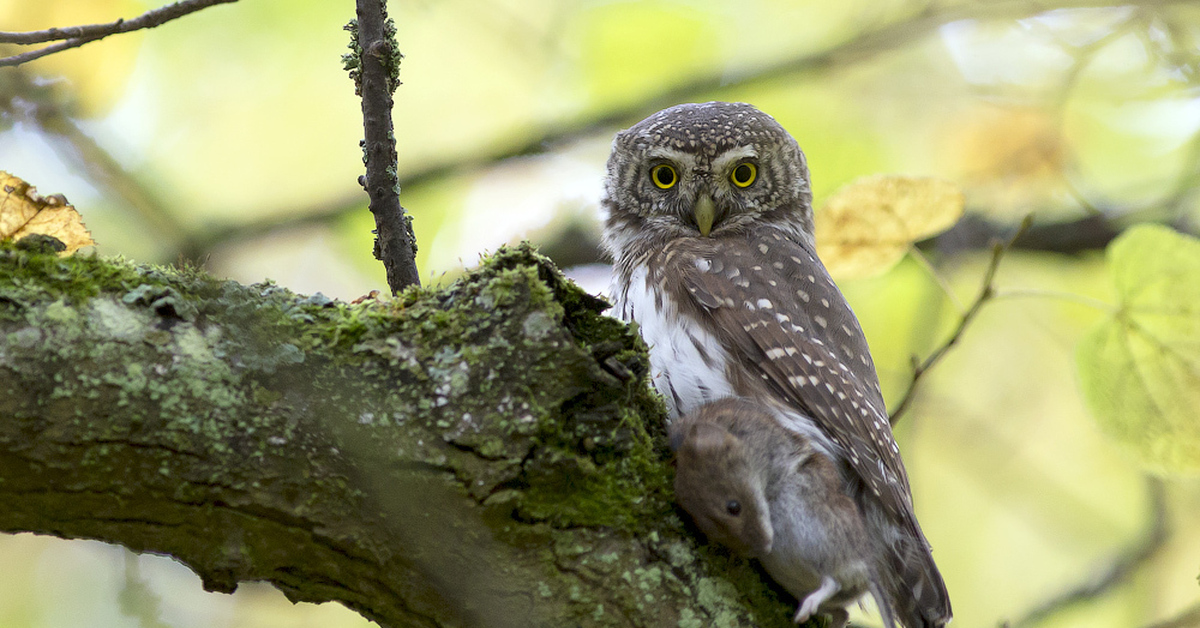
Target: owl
column 710, row 228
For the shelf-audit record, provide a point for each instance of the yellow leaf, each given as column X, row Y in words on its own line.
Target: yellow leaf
column 25, row 212
column 868, row 225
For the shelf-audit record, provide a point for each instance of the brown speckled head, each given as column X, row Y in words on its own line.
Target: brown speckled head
column 703, row 146
column 709, row 128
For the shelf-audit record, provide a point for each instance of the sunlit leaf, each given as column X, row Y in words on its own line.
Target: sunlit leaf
column 1140, row 370
column 24, row 212
column 868, row 226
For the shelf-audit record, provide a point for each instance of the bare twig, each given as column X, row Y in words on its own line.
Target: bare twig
column 985, row 294
column 374, row 66
column 1037, row 293
column 75, row 36
column 937, row 277
column 1122, row 568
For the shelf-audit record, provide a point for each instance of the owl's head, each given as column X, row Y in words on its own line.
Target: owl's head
column 704, row 170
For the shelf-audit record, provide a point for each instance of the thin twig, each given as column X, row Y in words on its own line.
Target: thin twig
column 1122, row 568
column 937, row 277
column 1038, row 293
column 374, row 66
column 75, row 36
column 985, row 294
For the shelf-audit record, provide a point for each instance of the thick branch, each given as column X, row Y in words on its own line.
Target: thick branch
column 374, row 65
column 484, row 455
column 75, row 36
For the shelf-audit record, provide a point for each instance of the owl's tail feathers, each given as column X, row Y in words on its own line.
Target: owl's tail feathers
column 882, row 603
column 917, row 593
column 904, row 566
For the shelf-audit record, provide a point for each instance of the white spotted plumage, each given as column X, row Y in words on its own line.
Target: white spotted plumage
column 724, row 282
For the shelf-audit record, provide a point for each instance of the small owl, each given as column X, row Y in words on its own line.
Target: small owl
column 710, row 229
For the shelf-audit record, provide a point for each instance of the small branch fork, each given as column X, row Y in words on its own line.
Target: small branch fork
column 986, row 293
column 377, row 61
column 75, row 36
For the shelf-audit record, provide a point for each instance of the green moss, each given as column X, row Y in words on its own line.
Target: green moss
column 511, row 381
column 352, row 61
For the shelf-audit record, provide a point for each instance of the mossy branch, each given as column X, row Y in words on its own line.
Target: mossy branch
column 483, row 455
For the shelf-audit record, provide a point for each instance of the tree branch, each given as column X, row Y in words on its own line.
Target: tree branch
column 1123, row 566
column 484, row 455
column 374, row 65
column 1068, row 237
column 75, row 36
column 986, row 292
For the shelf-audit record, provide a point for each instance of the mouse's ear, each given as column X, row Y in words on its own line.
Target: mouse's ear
column 704, row 439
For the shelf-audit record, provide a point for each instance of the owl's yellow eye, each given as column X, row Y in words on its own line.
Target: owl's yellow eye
column 744, row 174
column 663, row 176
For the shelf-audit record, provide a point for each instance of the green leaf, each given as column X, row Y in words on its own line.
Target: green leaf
column 1140, row 370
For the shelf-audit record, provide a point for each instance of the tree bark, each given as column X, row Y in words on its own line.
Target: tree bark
column 487, row 454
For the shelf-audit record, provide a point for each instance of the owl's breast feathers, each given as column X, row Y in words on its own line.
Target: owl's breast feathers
column 791, row 336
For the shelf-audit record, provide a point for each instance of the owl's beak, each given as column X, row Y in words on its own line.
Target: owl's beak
column 705, row 213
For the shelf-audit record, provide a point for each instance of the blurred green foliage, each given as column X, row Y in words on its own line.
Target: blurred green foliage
column 1140, row 369
column 232, row 137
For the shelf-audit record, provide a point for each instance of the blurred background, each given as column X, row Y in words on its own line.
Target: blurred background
column 230, row 137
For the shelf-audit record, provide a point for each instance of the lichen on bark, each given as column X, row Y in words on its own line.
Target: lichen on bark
column 482, row 454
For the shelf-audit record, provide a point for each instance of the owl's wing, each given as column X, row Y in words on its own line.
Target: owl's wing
column 792, row 338
column 778, row 311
